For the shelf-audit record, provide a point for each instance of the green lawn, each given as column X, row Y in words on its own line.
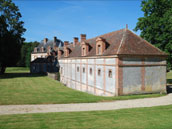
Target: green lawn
column 18, row 86
column 136, row 118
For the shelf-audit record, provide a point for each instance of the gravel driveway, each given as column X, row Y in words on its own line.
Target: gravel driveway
column 146, row 102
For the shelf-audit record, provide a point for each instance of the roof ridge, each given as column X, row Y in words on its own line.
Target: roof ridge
column 143, row 40
column 104, row 34
column 124, row 33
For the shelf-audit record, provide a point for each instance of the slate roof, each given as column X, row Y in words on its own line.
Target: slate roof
column 121, row 42
column 50, row 43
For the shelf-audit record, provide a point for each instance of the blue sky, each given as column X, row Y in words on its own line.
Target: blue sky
column 68, row 19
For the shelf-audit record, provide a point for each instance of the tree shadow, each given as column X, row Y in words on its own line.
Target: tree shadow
column 17, row 75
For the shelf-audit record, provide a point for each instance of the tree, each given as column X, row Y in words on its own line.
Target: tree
column 11, row 31
column 156, row 25
column 26, row 50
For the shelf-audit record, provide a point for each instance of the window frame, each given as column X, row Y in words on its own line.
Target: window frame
column 110, row 73
column 77, row 68
column 91, row 71
column 99, row 72
column 83, row 69
column 99, row 49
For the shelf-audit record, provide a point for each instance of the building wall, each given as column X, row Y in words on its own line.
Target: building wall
column 143, row 75
column 82, row 74
column 129, row 75
column 38, row 55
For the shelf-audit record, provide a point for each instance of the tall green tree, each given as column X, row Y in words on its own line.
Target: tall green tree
column 11, row 31
column 156, row 25
column 26, row 50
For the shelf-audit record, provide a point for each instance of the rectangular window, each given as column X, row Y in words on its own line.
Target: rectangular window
column 91, row 71
column 110, row 73
column 99, row 72
column 77, row 69
column 83, row 70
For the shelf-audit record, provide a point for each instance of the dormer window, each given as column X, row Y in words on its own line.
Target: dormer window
column 49, row 49
column 100, row 46
column 99, row 49
column 66, row 51
column 83, row 51
column 84, row 48
column 60, row 52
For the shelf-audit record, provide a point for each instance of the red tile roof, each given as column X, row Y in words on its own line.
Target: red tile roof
column 121, row 42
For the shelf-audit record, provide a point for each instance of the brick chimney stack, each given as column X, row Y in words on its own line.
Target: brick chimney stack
column 45, row 40
column 83, row 37
column 75, row 41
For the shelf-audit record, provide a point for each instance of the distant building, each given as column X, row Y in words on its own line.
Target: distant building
column 44, row 57
column 116, row 63
column 45, row 48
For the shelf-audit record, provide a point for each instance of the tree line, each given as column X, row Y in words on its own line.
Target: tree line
column 156, row 25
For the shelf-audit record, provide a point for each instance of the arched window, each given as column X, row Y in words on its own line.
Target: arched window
column 66, row 52
column 83, row 70
column 84, row 48
column 110, row 73
column 77, row 69
column 83, row 52
column 99, row 72
column 99, row 49
column 100, row 46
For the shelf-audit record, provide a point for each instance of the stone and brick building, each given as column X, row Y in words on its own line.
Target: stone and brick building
column 116, row 63
column 45, row 48
column 44, row 57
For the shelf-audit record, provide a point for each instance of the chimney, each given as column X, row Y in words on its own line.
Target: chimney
column 66, row 43
column 55, row 39
column 45, row 40
column 75, row 41
column 83, row 37
column 126, row 26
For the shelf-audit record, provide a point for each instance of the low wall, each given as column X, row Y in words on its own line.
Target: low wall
column 54, row 76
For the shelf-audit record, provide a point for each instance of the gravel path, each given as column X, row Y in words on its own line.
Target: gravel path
column 146, row 102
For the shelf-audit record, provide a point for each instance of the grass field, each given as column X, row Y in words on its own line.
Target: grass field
column 137, row 118
column 18, row 86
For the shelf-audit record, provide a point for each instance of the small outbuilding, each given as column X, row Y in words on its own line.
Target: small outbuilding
column 113, row 64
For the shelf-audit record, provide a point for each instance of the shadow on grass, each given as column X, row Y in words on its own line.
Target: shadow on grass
column 16, row 75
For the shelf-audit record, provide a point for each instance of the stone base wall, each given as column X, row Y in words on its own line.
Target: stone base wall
column 53, row 76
